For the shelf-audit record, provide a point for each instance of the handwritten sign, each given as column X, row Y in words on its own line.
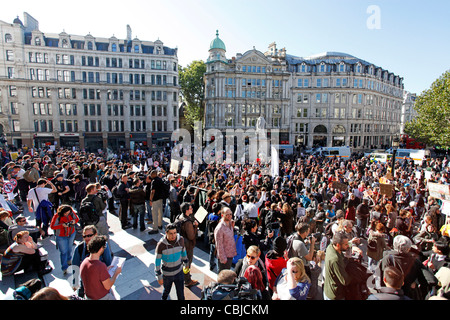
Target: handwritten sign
column 387, row 189
column 439, row 191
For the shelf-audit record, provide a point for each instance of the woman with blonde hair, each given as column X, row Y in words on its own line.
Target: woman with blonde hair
column 293, row 283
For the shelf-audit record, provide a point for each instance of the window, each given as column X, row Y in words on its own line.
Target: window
column 11, row 72
column 8, row 38
column 318, row 83
column 302, row 112
column 16, row 125
column 9, row 55
column 114, row 47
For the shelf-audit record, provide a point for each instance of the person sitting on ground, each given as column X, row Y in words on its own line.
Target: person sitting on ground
column 23, row 254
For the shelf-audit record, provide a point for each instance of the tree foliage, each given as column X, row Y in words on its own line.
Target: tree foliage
column 432, row 124
column 192, row 90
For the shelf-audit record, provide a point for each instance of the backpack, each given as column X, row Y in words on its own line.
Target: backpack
column 88, row 213
column 27, row 176
column 166, row 189
column 372, row 244
column 115, row 192
column 290, row 242
column 179, row 222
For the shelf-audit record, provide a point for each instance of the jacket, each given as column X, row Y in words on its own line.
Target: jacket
column 170, row 257
column 137, row 195
column 336, row 278
column 386, row 293
column 274, row 265
column 188, row 232
column 60, row 229
column 97, row 201
column 225, row 243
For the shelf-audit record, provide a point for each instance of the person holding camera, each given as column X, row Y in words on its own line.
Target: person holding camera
column 299, row 247
column 63, row 222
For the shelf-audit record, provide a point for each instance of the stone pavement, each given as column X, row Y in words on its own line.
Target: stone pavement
column 137, row 280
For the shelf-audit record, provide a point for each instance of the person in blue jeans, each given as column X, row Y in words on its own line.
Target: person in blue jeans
column 171, row 256
column 63, row 222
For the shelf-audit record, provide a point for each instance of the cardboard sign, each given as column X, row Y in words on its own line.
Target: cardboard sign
column 186, row 168
column 174, row 165
column 439, row 191
column 201, row 214
column 387, row 189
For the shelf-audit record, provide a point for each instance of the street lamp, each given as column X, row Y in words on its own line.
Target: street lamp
column 395, row 144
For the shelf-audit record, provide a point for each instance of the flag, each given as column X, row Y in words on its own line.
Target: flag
column 275, row 165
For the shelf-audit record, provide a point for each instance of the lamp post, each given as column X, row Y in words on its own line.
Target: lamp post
column 395, row 144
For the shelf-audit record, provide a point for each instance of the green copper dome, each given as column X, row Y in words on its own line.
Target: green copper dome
column 217, row 43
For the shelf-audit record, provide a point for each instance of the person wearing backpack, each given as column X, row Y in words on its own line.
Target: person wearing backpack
column 91, row 210
column 137, row 203
column 156, row 201
column 188, row 227
column 36, row 199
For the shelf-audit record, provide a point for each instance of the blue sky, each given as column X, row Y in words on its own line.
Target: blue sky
column 411, row 38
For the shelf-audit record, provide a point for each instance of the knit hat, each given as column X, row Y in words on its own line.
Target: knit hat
column 279, row 245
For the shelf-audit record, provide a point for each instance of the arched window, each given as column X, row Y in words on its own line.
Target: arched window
column 114, row 47
column 37, row 41
column 90, row 45
column 320, row 129
column 339, row 129
column 136, row 48
column 8, row 38
column 65, row 43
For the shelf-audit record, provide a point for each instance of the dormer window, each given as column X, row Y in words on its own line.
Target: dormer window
column 136, row 48
column 90, row 45
column 114, row 47
column 37, row 41
column 65, row 43
column 303, row 67
column 341, row 67
column 358, row 68
column 322, row 67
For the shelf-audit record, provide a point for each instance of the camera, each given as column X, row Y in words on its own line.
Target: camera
column 241, row 289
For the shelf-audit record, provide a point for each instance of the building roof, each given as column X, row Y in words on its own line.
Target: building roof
column 217, row 43
column 328, row 57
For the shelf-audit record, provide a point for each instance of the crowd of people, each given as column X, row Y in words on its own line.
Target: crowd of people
column 324, row 228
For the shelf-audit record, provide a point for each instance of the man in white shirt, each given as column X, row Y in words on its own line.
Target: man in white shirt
column 35, row 196
column 252, row 208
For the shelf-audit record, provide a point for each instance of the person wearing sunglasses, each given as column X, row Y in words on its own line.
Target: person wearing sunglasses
column 80, row 253
column 293, row 283
column 251, row 259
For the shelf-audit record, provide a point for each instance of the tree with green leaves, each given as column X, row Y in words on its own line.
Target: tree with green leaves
column 432, row 124
column 192, row 90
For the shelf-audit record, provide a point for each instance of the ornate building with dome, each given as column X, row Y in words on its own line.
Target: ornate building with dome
column 328, row 99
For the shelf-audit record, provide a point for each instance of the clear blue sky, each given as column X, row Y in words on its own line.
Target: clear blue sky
column 412, row 39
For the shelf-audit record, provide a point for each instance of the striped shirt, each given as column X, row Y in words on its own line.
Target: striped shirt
column 170, row 257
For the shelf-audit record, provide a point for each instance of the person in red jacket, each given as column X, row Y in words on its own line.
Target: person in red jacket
column 276, row 261
column 63, row 222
